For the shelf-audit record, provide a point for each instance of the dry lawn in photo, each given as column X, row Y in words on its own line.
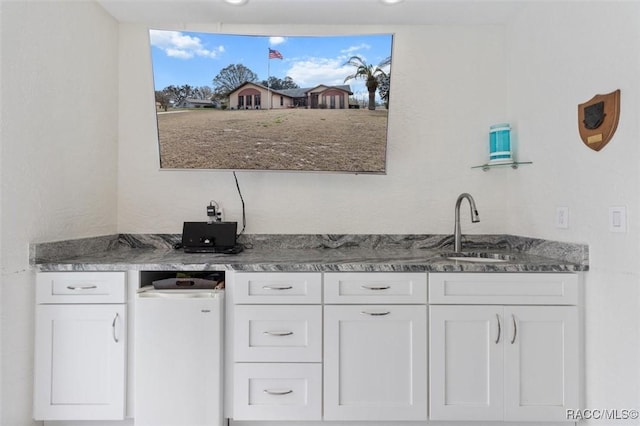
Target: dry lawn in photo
column 347, row 140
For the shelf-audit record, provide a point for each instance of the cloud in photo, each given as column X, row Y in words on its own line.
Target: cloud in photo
column 310, row 72
column 274, row 41
column 179, row 45
column 353, row 50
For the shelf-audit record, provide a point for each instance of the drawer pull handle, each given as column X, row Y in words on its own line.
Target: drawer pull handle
column 277, row 287
column 82, row 287
column 278, row 391
column 376, row 287
column 278, row 333
column 515, row 329
column 113, row 326
column 375, row 314
column 499, row 329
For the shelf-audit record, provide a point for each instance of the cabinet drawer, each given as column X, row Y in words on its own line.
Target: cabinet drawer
column 277, row 287
column 503, row 288
column 375, row 287
column 277, row 392
column 278, row 333
column 80, row 287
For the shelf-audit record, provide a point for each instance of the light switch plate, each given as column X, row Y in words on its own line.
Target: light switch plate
column 618, row 219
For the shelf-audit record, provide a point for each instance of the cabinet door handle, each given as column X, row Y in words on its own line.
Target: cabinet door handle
column 278, row 391
column 277, row 287
column 515, row 329
column 375, row 314
column 376, row 287
column 82, row 287
column 113, row 328
column 278, row 333
column 499, row 329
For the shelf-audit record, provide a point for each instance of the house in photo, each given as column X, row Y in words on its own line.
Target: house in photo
column 196, row 103
column 332, row 97
column 255, row 96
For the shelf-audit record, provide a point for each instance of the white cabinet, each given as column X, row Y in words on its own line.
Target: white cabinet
column 277, row 346
column 541, row 362
column 502, row 362
column 466, row 363
column 362, row 355
column 375, row 362
column 375, row 356
column 353, row 346
column 80, row 347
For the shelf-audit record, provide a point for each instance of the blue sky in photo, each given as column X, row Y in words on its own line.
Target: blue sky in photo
column 195, row 58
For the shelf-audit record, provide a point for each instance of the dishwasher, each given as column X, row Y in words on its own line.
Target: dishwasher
column 178, row 349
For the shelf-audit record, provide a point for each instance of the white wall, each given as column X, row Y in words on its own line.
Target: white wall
column 58, row 159
column 448, row 85
column 560, row 55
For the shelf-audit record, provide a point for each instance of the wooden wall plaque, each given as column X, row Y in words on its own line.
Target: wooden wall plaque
column 598, row 119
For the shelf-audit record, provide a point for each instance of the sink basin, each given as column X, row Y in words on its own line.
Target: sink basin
column 479, row 257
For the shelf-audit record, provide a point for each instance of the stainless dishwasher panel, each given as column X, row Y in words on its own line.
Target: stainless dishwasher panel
column 178, row 356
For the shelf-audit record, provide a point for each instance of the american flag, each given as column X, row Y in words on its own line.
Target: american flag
column 274, row 54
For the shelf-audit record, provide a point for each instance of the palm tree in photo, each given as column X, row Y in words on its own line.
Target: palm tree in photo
column 368, row 72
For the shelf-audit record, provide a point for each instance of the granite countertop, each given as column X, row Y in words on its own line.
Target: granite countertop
column 374, row 253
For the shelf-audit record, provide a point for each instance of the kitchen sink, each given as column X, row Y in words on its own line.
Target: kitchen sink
column 479, row 257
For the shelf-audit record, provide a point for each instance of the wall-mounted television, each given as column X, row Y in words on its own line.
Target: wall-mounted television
column 249, row 102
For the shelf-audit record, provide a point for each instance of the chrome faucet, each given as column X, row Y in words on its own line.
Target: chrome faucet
column 457, row 234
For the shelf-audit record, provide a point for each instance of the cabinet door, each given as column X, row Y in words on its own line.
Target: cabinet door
column 80, row 362
column 541, row 362
column 375, row 362
column 466, row 362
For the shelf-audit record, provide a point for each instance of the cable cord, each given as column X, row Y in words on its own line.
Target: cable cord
column 244, row 217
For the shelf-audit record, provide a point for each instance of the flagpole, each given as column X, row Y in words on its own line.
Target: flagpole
column 272, row 54
column 268, row 80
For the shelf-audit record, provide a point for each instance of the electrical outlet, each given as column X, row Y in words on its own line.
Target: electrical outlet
column 562, row 217
column 219, row 215
column 618, row 219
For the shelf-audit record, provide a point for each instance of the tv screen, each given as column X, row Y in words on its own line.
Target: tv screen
column 247, row 102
